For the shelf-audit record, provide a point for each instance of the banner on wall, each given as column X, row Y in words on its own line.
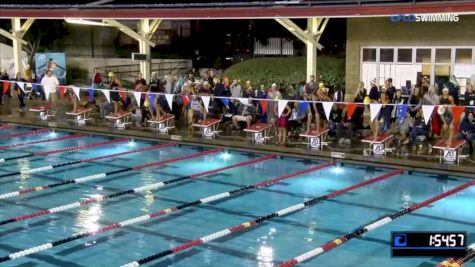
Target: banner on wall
column 50, row 61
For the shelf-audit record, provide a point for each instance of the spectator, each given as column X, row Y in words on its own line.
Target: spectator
column 236, row 89
column 385, row 112
column 360, row 93
column 467, row 130
column 248, row 91
column 390, row 89
column 312, row 84
column 397, row 100
column 50, row 84
column 245, row 113
column 168, row 84
column 28, row 74
column 419, row 127
column 4, row 77
column 97, row 79
column 212, row 109
column 431, row 98
column 415, row 101
column 139, row 80
column 114, row 93
column 404, row 126
column 469, row 96
column 19, row 92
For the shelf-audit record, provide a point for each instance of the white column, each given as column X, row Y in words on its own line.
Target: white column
column 16, row 29
column 145, row 48
column 312, row 28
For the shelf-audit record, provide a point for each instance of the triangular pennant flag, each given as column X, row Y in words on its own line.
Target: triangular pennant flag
column 185, row 100
column 169, row 98
column 374, row 110
column 137, row 96
column 427, row 112
column 107, row 94
column 225, row 101
column 327, row 107
column 21, row 85
column 6, row 87
column 205, row 101
column 350, row 109
column 123, row 95
column 61, row 89
column 46, row 91
column 245, row 101
column 281, row 106
column 264, row 105
column 76, row 92
column 303, row 107
column 457, row 111
column 151, row 98
column 401, row 112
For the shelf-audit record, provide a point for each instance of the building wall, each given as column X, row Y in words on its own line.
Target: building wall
column 382, row 32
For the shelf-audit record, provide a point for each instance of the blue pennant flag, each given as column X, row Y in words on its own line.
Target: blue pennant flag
column 303, row 107
column 36, row 87
column 90, row 93
column 151, row 98
column 225, row 101
column 401, row 112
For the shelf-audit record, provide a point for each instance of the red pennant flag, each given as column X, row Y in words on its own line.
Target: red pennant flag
column 6, row 87
column 350, row 109
column 123, row 95
column 185, row 100
column 264, row 105
column 62, row 89
column 457, row 112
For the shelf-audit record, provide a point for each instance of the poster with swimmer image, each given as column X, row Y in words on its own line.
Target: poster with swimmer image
column 50, row 61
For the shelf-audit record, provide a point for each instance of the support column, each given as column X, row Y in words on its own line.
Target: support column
column 16, row 29
column 145, row 48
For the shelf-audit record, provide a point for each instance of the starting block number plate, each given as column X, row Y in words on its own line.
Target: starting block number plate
column 315, row 142
column 378, row 149
column 208, row 132
column 450, row 155
column 259, row 138
column 162, row 128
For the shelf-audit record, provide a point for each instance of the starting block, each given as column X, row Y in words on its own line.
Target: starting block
column 164, row 124
column 316, row 139
column 208, row 127
column 449, row 153
column 378, row 146
column 43, row 111
column 80, row 116
column 259, row 132
column 121, row 120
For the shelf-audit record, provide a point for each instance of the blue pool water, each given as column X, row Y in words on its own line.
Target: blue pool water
column 265, row 245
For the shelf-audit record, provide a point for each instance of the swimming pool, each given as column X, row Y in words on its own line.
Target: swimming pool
column 38, row 207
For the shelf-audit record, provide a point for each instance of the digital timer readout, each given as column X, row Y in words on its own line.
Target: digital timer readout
column 429, row 244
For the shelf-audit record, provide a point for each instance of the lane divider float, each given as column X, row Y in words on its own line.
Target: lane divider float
column 67, row 137
column 371, row 226
column 149, row 187
column 461, row 261
column 49, row 167
column 67, row 149
column 6, row 126
column 34, row 132
column 249, row 224
column 149, row 216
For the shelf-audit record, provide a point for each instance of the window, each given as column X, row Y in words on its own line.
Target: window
column 386, row 55
column 404, row 55
column 463, row 55
column 369, row 55
column 423, row 55
column 442, row 55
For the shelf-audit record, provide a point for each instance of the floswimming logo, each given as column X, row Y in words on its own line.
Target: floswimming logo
column 442, row 17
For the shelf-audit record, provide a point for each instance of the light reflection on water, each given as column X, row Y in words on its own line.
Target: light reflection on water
column 88, row 218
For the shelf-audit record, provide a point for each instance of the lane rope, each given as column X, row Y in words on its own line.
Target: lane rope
column 6, row 126
column 149, row 216
column 26, row 144
column 371, row 226
column 49, row 167
column 248, row 224
column 461, row 261
column 107, row 197
column 34, row 132
column 67, row 149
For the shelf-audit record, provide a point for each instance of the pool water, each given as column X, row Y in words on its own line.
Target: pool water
column 267, row 244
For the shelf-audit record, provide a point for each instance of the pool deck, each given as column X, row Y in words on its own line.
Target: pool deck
column 352, row 154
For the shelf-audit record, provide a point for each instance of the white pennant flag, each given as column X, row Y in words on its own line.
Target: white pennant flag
column 374, row 110
column 427, row 112
column 21, row 85
column 107, row 94
column 327, row 107
column 281, row 106
column 137, row 96
column 169, row 98
column 76, row 92
column 245, row 101
column 46, row 91
column 205, row 101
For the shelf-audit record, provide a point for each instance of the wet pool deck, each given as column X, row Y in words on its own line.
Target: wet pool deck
column 352, row 154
